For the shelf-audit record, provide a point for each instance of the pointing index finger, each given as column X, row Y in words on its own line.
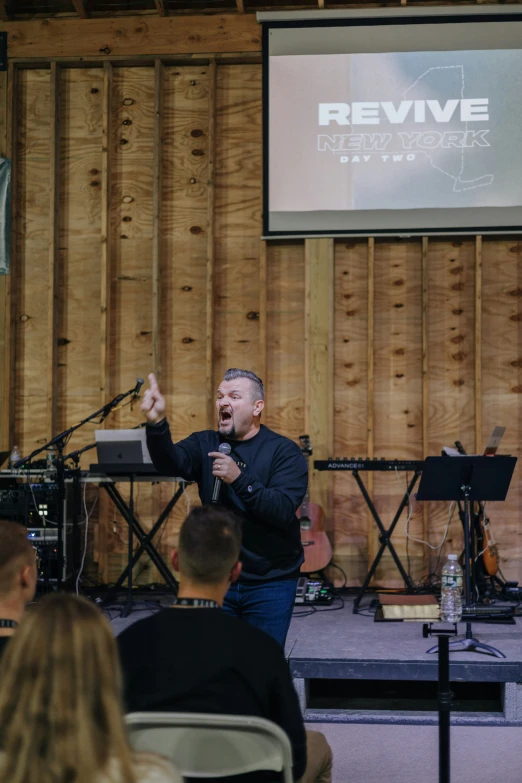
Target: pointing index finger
column 153, row 382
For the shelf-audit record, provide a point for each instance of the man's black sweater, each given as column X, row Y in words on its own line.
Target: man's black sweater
column 265, row 495
column 203, row 660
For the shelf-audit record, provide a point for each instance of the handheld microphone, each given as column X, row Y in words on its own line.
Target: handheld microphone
column 139, row 384
column 224, row 448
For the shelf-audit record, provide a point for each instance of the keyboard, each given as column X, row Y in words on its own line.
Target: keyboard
column 124, row 469
column 335, row 463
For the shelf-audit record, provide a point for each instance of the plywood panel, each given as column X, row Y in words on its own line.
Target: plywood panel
column 157, row 224
column 502, row 384
column 106, row 233
column 350, row 404
column 237, row 217
column 184, row 250
column 183, row 262
column 80, row 228
column 398, row 386
column 131, row 206
column 32, row 244
column 319, row 313
column 451, row 321
column 285, row 381
column 54, row 249
column 211, row 242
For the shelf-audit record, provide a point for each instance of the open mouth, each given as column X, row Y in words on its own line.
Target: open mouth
column 225, row 416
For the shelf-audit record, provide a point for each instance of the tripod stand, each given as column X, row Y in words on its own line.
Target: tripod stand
column 467, row 479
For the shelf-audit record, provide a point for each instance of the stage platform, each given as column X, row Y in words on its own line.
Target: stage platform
column 331, row 652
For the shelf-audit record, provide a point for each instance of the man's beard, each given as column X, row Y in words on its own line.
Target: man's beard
column 230, row 434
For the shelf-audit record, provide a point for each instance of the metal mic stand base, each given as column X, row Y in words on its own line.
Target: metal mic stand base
column 471, row 644
column 475, row 646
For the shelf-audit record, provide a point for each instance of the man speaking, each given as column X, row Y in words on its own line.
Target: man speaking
column 258, row 474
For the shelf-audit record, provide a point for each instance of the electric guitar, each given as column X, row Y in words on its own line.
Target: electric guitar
column 316, row 544
column 490, row 555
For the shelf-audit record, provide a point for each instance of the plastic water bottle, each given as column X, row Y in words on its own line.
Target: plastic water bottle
column 52, row 453
column 15, row 456
column 451, row 595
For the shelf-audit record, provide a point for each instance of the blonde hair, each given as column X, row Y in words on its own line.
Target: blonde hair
column 61, row 717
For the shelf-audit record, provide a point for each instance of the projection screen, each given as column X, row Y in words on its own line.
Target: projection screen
column 384, row 125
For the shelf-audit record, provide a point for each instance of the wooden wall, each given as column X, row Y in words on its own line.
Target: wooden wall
column 137, row 223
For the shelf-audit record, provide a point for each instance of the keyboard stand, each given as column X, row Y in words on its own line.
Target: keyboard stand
column 146, row 544
column 144, row 538
column 384, row 538
column 135, row 528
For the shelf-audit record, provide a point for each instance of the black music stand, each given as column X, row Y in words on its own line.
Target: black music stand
column 467, row 479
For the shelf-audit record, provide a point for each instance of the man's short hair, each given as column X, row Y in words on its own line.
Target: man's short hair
column 209, row 544
column 257, row 384
column 16, row 552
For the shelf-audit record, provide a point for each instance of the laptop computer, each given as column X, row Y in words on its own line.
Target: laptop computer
column 491, row 446
column 494, row 441
column 122, row 447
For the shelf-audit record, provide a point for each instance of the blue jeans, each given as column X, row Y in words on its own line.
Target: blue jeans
column 267, row 605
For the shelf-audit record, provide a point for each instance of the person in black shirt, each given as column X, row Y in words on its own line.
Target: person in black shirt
column 17, row 577
column 263, row 481
column 193, row 657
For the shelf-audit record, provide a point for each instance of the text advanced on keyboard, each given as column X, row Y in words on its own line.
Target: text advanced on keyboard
column 368, row 464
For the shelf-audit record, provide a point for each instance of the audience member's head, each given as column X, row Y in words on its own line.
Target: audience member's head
column 207, row 557
column 17, row 572
column 60, row 697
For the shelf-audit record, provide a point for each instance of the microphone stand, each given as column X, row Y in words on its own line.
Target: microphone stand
column 59, row 441
column 75, row 455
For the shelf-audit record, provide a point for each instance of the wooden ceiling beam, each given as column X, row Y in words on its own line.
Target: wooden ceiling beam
column 160, row 7
column 104, row 38
column 3, row 11
column 80, row 6
column 240, row 5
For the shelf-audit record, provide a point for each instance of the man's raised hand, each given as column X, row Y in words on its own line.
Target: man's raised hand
column 153, row 404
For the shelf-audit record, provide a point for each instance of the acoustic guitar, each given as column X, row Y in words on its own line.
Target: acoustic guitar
column 316, row 544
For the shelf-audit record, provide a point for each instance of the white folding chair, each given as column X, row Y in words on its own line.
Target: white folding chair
column 210, row 746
